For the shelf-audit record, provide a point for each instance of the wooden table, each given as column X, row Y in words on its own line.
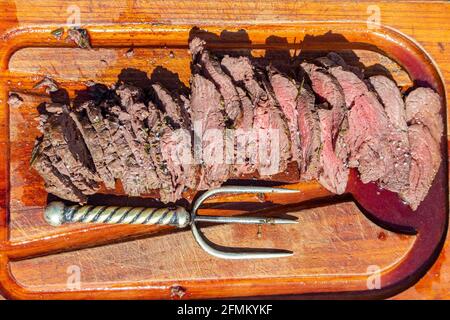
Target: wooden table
column 428, row 23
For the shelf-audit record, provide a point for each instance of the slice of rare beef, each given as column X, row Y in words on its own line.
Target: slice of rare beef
column 397, row 176
column 286, row 91
column 209, row 132
column 245, row 144
column 333, row 59
column 374, row 145
column 168, row 190
column 425, row 162
column 174, row 107
column 298, row 104
column 176, row 141
column 273, row 137
column 423, row 114
column 392, row 100
column 212, row 69
column 333, row 171
column 423, row 106
column 308, row 122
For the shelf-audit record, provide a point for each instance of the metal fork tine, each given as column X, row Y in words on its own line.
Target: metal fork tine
column 238, row 189
column 281, row 190
column 235, row 255
column 244, row 220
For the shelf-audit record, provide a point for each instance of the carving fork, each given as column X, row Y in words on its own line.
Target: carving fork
column 57, row 213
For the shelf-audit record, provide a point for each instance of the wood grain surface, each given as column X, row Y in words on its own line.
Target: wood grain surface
column 353, row 243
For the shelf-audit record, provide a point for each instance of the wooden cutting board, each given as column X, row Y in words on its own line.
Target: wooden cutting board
column 336, row 238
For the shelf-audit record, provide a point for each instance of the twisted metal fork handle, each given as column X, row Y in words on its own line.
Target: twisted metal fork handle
column 57, row 213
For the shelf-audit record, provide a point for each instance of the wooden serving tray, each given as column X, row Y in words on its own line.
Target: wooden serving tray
column 336, row 250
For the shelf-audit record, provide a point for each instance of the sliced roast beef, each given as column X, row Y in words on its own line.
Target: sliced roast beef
column 101, row 126
column 242, row 118
column 123, row 148
column 175, row 108
column 425, row 162
column 79, row 174
column 62, row 158
column 297, row 102
column 132, row 115
column 241, row 71
column 376, row 147
column 90, row 137
column 392, row 100
column 212, row 69
column 333, row 173
column 246, row 148
column 176, row 141
column 72, row 136
column 132, row 112
column 328, row 90
column 176, row 146
column 55, row 182
column 132, row 177
column 274, row 146
column 65, row 149
column 209, row 132
column 240, row 138
column 286, row 92
column 308, row 122
column 423, row 106
column 332, row 59
column 397, row 176
column 367, row 139
column 169, row 191
column 129, row 94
